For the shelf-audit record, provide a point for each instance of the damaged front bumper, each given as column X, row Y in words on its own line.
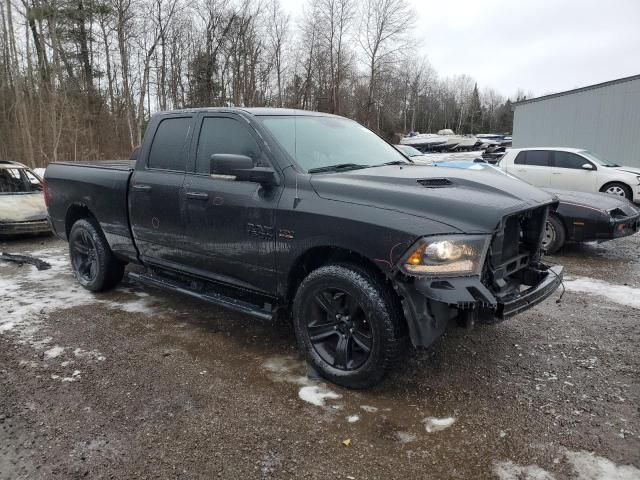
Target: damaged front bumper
column 25, row 227
column 429, row 303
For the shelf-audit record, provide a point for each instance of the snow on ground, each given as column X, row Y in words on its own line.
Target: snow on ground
column 317, row 394
column 353, row 418
column 30, row 295
column 586, row 466
column 432, row 424
column 289, row 370
column 369, row 408
column 621, row 294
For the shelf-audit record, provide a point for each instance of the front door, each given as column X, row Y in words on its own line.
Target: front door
column 230, row 225
column 156, row 193
column 568, row 172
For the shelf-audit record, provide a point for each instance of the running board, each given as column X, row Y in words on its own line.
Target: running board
column 215, row 298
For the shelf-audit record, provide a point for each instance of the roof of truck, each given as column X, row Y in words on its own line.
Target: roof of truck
column 257, row 111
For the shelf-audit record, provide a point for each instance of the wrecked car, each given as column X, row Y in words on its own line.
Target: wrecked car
column 312, row 216
column 22, row 207
column 580, row 216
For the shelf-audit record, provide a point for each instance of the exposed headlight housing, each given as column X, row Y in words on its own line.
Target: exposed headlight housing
column 446, row 256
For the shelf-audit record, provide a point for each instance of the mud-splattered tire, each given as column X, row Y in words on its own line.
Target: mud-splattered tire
column 554, row 235
column 348, row 326
column 92, row 261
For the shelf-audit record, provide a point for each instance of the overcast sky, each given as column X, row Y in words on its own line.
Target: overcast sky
column 540, row 46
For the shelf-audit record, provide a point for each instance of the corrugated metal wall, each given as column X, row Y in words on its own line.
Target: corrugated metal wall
column 604, row 120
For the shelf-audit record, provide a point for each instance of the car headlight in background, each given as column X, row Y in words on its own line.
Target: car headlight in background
column 450, row 255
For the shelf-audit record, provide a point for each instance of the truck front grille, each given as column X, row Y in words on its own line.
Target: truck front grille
column 515, row 246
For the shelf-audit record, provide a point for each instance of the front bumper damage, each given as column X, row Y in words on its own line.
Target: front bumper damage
column 25, row 227
column 429, row 304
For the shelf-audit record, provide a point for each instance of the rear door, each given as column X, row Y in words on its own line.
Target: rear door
column 568, row 172
column 156, row 192
column 230, row 225
column 533, row 166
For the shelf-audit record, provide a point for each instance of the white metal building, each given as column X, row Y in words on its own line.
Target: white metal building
column 602, row 118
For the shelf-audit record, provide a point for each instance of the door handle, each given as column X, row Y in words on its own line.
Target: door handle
column 197, row 196
column 138, row 187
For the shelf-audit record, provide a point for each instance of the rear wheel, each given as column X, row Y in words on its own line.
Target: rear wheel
column 93, row 263
column 619, row 189
column 347, row 325
column 554, row 235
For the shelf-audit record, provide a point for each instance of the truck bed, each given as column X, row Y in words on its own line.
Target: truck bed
column 127, row 165
column 100, row 187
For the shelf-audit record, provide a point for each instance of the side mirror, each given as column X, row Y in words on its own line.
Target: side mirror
column 242, row 169
column 587, row 166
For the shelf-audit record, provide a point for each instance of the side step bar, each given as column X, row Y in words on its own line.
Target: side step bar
column 215, row 298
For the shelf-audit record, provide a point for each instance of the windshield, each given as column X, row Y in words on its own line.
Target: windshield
column 408, row 150
column 317, row 143
column 18, row 180
column 596, row 160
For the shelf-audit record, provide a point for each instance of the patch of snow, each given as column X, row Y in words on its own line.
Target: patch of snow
column 432, row 424
column 317, row 394
column 89, row 354
column 369, row 409
column 353, row 418
column 621, row 294
column 74, row 376
column 511, row 471
column 406, row 437
column 53, row 352
column 588, row 466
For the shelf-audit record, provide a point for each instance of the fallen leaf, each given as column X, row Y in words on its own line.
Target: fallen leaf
column 346, row 442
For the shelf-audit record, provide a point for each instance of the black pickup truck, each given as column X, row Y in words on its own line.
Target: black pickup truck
column 282, row 212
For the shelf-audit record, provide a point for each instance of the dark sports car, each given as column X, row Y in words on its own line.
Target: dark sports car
column 580, row 217
column 584, row 217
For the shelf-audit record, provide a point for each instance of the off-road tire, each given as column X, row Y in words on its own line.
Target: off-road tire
column 381, row 309
column 110, row 270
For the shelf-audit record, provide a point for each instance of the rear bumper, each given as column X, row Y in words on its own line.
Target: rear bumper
column 23, row 228
column 429, row 304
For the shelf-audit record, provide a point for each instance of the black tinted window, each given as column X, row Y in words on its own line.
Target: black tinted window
column 569, row 160
column 225, row 135
column 538, row 158
column 168, row 147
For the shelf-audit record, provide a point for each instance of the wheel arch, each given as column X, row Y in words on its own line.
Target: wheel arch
column 318, row 256
column 75, row 212
column 612, row 182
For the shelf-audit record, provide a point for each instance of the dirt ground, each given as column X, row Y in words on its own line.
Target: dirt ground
column 138, row 383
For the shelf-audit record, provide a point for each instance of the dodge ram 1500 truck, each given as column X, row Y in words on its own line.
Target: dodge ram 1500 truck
column 275, row 211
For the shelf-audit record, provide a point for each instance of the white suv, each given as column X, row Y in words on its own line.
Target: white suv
column 571, row 169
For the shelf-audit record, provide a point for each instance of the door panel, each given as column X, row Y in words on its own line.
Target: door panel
column 230, row 225
column 568, row 174
column 533, row 166
column 156, row 194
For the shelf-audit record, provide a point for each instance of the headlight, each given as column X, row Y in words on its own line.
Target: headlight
column 638, row 180
column 446, row 256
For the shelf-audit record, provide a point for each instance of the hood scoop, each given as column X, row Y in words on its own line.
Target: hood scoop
column 435, row 182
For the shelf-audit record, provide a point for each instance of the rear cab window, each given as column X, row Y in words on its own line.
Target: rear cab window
column 533, row 158
column 169, row 146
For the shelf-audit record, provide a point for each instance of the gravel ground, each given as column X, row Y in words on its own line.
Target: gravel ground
column 138, row 383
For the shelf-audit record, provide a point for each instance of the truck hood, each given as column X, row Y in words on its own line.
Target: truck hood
column 22, row 207
column 469, row 201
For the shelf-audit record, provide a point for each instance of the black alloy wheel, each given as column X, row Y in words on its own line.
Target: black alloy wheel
column 84, row 257
column 338, row 329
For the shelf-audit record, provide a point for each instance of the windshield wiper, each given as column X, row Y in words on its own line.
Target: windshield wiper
column 340, row 167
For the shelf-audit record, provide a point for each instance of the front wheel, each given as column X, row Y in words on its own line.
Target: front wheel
column 619, row 189
column 347, row 325
column 554, row 235
column 93, row 263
